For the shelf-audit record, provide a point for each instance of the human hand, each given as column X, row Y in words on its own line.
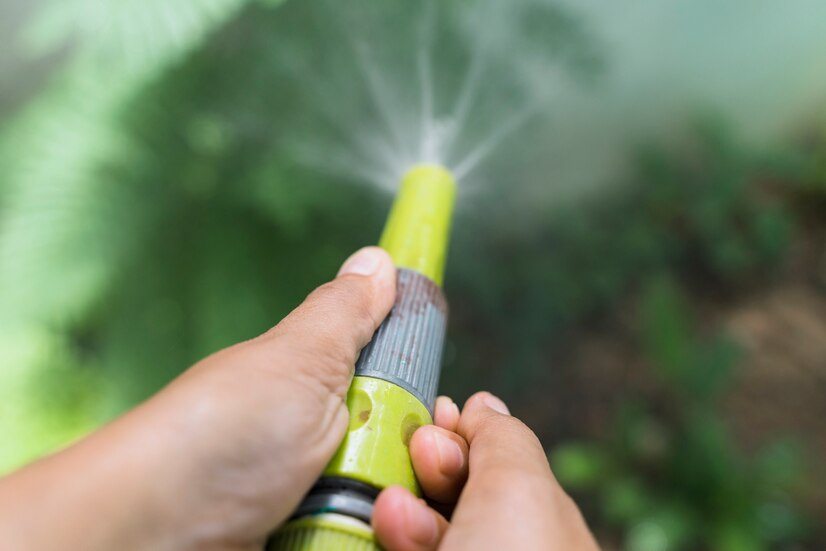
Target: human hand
column 222, row 455
column 489, row 469
column 225, row 453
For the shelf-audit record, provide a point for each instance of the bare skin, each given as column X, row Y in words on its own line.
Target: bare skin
column 226, row 451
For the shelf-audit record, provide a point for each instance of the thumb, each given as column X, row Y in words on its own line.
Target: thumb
column 511, row 499
column 253, row 425
column 339, row 318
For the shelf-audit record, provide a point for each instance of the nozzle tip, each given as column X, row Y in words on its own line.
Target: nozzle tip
column 430, row 174
column 417, row 230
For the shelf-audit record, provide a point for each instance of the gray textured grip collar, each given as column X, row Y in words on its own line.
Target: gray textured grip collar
column 407, row 348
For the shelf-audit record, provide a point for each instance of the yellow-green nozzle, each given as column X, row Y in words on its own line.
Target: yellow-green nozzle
column 417, row 229
column 395, row 378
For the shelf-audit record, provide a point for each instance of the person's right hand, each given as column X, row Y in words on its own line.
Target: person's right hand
column 491, row 471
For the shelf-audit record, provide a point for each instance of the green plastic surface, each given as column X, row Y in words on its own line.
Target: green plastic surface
column 383, row 418
column 323, row 533
column 418, row 227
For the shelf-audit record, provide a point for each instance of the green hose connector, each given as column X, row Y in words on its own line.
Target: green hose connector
column 394, row 387
column 324, row 531
column 383, row 418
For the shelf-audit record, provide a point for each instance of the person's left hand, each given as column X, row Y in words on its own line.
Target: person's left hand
column 224, row 454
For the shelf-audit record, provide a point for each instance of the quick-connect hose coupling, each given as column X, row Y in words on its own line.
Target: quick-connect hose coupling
column 396, row 377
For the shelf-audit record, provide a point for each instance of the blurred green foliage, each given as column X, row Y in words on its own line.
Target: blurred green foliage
column 699, row 211
column 151, row 213
column 671, row 476
column 149, row 221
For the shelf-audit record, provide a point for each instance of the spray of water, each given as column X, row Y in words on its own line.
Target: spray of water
column 542, row 96
column 441, row 97
column 439, row 133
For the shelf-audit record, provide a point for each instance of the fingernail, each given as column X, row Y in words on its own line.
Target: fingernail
column 445, row 404
column 495, row 404
column 443, row 401
column 363, row 262
column 421, row 523
column 451, row 458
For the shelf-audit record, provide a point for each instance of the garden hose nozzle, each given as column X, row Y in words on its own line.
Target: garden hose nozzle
column 394, row 387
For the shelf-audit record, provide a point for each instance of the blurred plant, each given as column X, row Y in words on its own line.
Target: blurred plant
column 698, row 208
column 670, row 476
column 143, row 224
column 151, row 209
column 150, row 214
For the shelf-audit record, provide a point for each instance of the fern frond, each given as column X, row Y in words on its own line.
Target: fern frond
column 64, row 219
column 131, row 38
column 63, row 224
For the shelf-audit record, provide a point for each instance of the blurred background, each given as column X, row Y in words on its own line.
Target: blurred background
column 639, row 259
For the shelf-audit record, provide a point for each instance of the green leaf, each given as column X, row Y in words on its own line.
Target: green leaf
column 736, row 537
column 128, row 39
column 625, row 500
column 669, row 527
column 666, row 329
column 580, row 466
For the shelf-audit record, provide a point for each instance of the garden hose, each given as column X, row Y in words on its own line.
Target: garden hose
column 394, row 387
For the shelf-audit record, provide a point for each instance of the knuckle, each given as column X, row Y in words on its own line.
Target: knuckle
column 350, row 296
column 507, row 483
column 361, row 309
column 326, row 367
column 335, row 313
column 524, row 433
column 530, row 485
column 503, row 426
column 330, row 294
column 318, row 343
column 476, row 399
column 320, row 366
